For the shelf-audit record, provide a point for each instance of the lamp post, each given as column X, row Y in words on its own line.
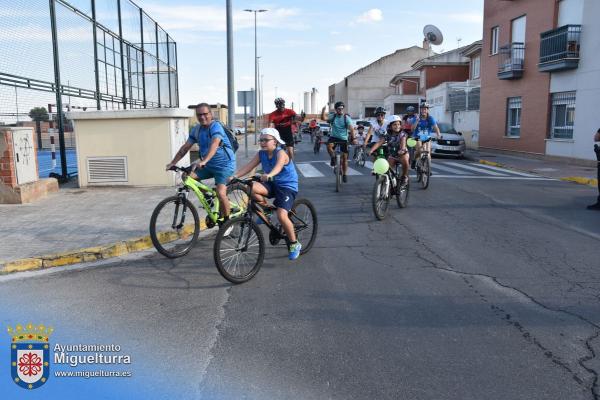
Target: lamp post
column 255, row 69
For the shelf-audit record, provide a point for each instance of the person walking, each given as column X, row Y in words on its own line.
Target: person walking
column 596, row 206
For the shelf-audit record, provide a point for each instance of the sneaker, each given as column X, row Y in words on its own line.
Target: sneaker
column 332, row 162
column 295, row 250
column 594, row 206
column 345, row 178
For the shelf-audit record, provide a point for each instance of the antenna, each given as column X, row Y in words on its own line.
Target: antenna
column 432, row 35
column 458, row 40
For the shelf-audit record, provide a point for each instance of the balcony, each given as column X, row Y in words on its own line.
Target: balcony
column 511, row 60
column 559, row 49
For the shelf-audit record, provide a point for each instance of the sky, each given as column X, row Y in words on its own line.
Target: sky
column 301, row 44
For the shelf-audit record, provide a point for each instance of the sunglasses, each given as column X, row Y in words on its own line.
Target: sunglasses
column 340, row 108
column 264, row 140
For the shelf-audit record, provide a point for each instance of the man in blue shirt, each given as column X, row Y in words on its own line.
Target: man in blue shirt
column 217, row 159
column 341, row 123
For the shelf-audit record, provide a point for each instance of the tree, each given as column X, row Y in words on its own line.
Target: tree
column 39, row 114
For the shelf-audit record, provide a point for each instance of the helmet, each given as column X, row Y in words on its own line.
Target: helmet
column 394, row 118
column 339, row 104
column 410, row 109
column 279, row 101
column 425, row 105
column 380, row 110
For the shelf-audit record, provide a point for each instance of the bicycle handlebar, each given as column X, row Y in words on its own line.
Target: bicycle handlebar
column 247, row 181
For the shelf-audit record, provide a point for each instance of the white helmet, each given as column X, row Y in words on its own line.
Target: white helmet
column 394, row 118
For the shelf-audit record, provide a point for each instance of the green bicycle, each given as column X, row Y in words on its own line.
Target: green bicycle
column 173, row 232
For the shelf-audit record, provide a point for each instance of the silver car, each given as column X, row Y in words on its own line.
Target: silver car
column 451, row 143
column 324, row 128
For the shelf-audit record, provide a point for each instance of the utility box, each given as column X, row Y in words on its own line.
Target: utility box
column 19, row 180
column 129, row 147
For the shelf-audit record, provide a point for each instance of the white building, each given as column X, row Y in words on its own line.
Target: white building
column 574, row 79
column 365, row 89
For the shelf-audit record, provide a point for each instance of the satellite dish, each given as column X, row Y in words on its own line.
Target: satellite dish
column 433, row 35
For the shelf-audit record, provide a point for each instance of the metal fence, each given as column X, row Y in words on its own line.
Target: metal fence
column 463, row 99
column 60, row 55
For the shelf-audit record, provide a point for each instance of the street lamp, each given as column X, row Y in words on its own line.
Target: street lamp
column 255, row 70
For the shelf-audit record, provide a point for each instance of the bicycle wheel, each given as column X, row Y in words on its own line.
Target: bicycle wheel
column 426, row 173
column 172, row 231
column 381, row 198
column 238, row 196
column 239, row 250
column 304, row 217
column 361, row 158
column 338, row 172
column 402, row 194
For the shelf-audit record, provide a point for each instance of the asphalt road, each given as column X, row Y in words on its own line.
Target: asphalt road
column 486, row 287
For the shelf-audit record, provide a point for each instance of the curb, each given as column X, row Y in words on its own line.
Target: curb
column 577, row 179
column 82, row 255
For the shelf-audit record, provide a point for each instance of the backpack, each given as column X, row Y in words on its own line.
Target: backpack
column 231, row 136
column 345, row 120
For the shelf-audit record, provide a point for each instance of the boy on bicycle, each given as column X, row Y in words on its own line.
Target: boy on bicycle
column 279, row 180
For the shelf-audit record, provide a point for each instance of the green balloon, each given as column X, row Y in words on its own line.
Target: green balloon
column 381, row 166
column 410, row 142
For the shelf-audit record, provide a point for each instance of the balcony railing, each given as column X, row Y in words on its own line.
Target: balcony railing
column 559, row 48
column 511, row 60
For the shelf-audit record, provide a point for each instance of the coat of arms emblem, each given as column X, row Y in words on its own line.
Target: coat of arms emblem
column 30, row 355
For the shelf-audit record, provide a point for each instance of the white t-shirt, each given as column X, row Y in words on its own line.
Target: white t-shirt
column 360, row 139
column 377, row 129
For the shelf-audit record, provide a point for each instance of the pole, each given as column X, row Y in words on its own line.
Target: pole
column 245, row 125
column 230, row 91
column 255, row 79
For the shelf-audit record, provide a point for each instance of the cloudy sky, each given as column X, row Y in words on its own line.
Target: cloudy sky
column 312, row 43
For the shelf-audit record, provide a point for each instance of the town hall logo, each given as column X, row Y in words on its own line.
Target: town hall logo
column 30, row 355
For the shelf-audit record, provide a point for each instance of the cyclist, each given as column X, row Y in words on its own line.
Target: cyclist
column 408, row 121
column 378, row 127
column 217, row 159
column 425, row 124
column 313, row 127
column 360, row 138
column 396, row 141
column 340, row 123
column 279, row 180
column 282, row 119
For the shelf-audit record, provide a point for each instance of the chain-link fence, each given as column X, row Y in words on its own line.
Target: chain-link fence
column 60, row 55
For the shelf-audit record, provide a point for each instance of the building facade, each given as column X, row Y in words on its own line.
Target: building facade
column 540, row 77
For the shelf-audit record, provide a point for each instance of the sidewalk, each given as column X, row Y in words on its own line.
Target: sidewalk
column 79, row 225
column 586, row 175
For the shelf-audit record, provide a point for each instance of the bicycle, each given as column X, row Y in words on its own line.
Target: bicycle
column 337, row 168
column 360, row 156
column 171, row 233
column 239, row 248
column 388, row 184
column 317, row 146
column 422, row 164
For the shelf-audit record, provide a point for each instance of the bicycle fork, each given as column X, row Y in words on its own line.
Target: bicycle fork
column 181, row 202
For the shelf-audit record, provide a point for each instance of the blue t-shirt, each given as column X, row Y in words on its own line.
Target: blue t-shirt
column 287, row 177
column 425, row 126
column 339, row 128
column 224, row 158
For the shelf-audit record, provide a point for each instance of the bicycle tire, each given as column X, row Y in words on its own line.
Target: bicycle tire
column 299, row 218
column 361, row 159
column 426, row 173
column 226, row 251
column 380, row 199
column 238, row 195
column 402, row 194
column 338, row 173
column 165, row 238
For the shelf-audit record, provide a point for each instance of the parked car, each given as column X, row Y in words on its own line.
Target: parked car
column 324, row 128
column 304, row 128
column 451, row 143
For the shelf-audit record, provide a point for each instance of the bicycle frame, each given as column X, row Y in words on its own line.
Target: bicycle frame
column 199, row 188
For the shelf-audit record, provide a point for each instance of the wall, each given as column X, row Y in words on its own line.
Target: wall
column 467, row 122
column 532, row 87
column 437, row 74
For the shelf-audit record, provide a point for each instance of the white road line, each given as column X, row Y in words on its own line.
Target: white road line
column 481, row 170
column 513, row 178
column 308, row 171
column 445, row 168
column 369, row 164
column 510, row 171
column 353, row 172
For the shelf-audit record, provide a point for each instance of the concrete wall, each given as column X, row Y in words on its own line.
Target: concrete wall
column 532, row 87
column 467, row 122
column 585, row 81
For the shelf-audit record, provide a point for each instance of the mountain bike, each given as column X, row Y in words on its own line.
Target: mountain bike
column 388, row 184
column 239, row 248
column 175, row 224
column 337, row 168
column 422, row 164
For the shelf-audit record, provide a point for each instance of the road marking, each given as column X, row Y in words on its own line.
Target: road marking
column 481, row 170
column 369, row 164
column 522, row 178
column 309, row 171
column 446, row 168
column 353, row 172
column 510, row 171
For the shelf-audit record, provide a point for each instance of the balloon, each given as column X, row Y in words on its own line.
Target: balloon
column 410, row 142
column 381, row 166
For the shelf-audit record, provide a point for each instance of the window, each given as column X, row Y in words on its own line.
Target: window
column 475, row 67
column 494, row 41
column 563, row 115
column 513, row 117
column 369, row 112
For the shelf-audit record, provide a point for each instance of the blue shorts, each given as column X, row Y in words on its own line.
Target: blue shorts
column 284, row 197
column 220, row 175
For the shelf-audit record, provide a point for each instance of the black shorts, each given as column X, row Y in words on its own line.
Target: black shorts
column 287, row 136
column 343, row 144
